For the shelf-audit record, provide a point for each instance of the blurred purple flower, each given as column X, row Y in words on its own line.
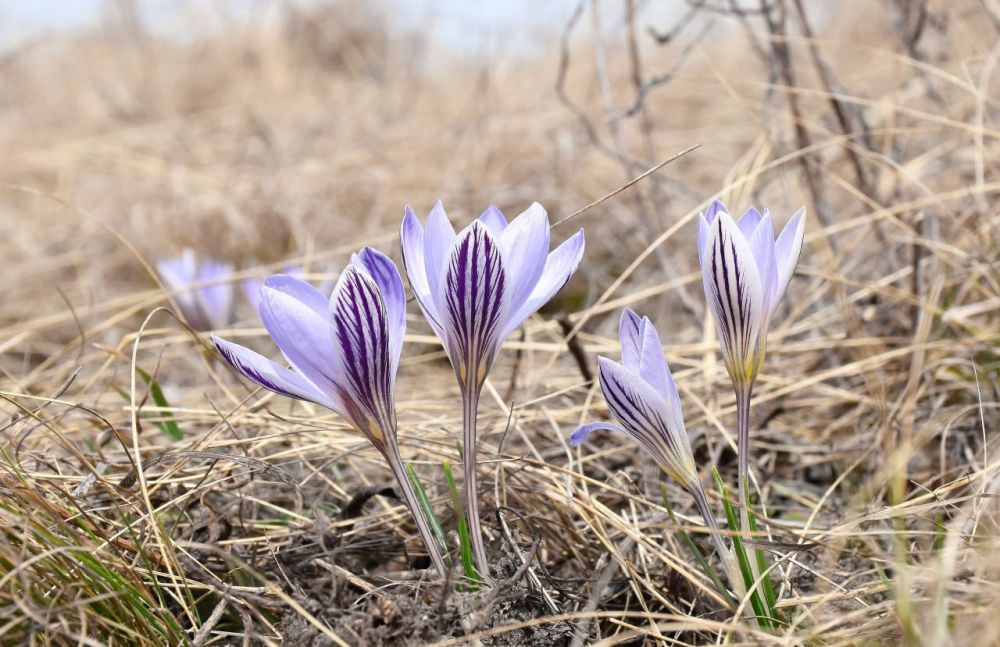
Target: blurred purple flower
column 344, row 354
column 201, row 291
column 252, row 287
column 475, row 287
column 642, row 397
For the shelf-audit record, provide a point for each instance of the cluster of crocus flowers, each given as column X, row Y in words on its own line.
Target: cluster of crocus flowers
column 745, row 272
column 343, row 354
column 475, row 287
column 201, row 289
column 642, row 396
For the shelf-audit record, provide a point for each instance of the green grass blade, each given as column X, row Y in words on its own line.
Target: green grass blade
column 732, row 519
column 464, row 538
column 425, row 505
column 762, row 565
column 698, row 555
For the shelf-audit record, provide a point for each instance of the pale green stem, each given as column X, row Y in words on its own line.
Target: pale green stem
column 470, row 409
column 413, row 503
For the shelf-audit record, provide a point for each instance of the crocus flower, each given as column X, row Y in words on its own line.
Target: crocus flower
column 745, row 272
column 642, row 397
column 252, row 287
column 343, row 353
column 203, row 295
column 475, row 287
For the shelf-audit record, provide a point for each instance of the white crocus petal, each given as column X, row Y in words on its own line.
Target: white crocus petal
column 494, row 220
column 439, row 239
column 761, row 241
column 559, row 268
column 735, row 297
column 525, row 243
column 271, row 376
column 362, row 352
column 787, row 250
column 384, row 273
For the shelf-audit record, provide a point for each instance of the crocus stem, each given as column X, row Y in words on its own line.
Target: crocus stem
column 470, row 408
column 410, row 497
column 743, row 450
column 743, row 433
column 732, row 571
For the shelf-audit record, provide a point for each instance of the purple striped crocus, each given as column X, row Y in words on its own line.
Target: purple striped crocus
column 745, row 272
column 642, row 396
column 475, row 287
column 200, row 289
column 343, row 355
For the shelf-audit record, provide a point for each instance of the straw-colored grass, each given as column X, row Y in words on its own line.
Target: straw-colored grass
column 300, row 139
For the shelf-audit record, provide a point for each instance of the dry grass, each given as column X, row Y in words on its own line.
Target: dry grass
column 875, row 418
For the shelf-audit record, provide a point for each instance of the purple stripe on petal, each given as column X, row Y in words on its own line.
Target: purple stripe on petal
column 383, row 271
column 474, row 302
column 271, row 376
column 646, row 418
column 362, row 349
column 735, row 297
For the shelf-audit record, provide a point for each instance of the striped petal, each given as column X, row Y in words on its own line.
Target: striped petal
column 383, row 271
column 786, row 251
column 525, row 245
column 646, row 418
column 494, row 220
column 271, row 376
column 559, row 268
column 473, row 302
column 735, row 296
column 705, row 221
column 362, row 350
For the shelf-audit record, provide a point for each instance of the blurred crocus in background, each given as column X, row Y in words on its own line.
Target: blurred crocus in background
column 745, row 272
column 475, row 287
column 344, row 353
column 200, row 289
column 642, row 397
column 252, row 287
